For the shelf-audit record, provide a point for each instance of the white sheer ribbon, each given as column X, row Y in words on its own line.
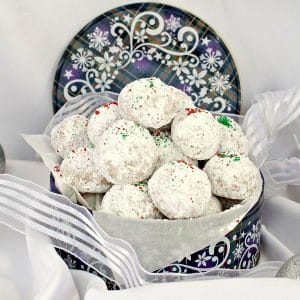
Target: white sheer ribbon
column 272, row 122
column 70, row 227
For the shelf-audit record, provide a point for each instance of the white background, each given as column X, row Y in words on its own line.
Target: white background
column 263, row 37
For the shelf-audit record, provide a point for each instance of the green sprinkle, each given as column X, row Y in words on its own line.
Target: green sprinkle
column 92, row 146
column 232, row 156
column 141, row 183
column 151, row 83
column 162, row 139
column 142, row 186
column 225, row 121
column 124, row 134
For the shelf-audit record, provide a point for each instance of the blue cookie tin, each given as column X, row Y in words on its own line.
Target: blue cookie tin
column 238, row 249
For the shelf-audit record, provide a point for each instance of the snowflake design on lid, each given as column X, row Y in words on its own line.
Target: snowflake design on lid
column 82, row 60
column 173, row 23
column 140, row 36
column 103, row 82
column 211, row 60
column 98, row 39
column 180, row 66
column 197, row 78
column 105, row 62
column 145, row 40
column 219, row 83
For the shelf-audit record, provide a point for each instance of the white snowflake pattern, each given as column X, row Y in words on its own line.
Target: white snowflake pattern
column 169, row 63
column 203, row 92
column 114, row 49
column 211, row 60
column 172, row 23
column 71, row 263
column 180, row 66
column 197, row 78
column 98, row 39
column 205, row 41
column 255, row 235
column 150, row 53
column 127, row 18
column 219, row 83
column 202, row 259
column 188, row 89
column 82, row 59
column 238, row 251
column 157, row 56
column 207, row 100
column 140, row 36
column 105, row 62
column 103, row 83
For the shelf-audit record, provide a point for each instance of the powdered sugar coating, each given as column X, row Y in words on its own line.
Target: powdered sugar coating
column 233, row 177
column 147, row 101
column 101, row 119
column 130, row 200
column 77, row 169
column 184, row 101
column 180, row 190
column 214, row 206
column 196, row 133
column 167, row 150
column 126, row 153
column 70, row 134
column 233, row 139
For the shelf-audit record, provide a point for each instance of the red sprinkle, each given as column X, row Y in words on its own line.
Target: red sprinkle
column 97, row 112
column 157, row 132
column 184, row 162
column 56, row 168
column 190, row 111
column 107, row 105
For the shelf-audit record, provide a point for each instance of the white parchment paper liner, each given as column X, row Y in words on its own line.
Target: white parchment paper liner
column 158, row 243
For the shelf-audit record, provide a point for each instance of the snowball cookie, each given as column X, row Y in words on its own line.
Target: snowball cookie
column 184, row 101
column 125, row 153
column 214, row 206
column 69, row 135
column 196, row 133
column 77, row 169
column 167, row 150
column 130, row 200
column 180, row 190
column 231, row 176
column 148, row 102
column 233, row 139
column 102, row 117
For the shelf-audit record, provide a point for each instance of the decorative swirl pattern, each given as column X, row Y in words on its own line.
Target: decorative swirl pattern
column 238, row 250
column 144, row 40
